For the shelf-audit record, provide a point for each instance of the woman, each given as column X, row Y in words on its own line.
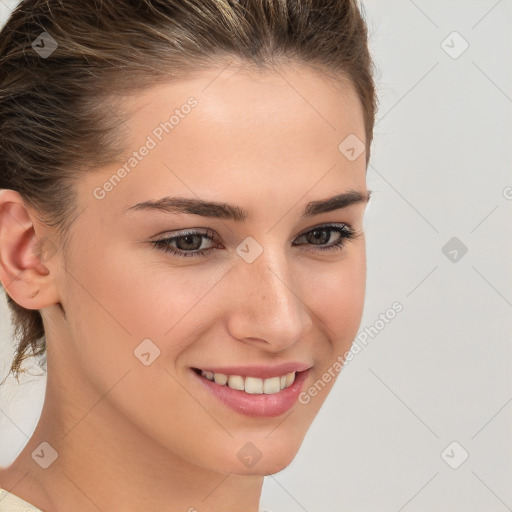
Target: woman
column 181, row 233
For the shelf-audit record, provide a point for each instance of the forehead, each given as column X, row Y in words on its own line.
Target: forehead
column 258, row 131
column 230, row 99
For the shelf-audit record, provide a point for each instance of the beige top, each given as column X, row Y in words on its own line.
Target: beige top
column 11, row 503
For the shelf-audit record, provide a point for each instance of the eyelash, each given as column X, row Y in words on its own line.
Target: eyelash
column 345, row 231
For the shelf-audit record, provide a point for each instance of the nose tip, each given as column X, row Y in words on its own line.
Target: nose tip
column 272, row 315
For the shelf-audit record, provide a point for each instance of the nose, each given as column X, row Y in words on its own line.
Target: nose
column 269, row 308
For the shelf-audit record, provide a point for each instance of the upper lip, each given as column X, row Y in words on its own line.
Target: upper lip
column 262, row 371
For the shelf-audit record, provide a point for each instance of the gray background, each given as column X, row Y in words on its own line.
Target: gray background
column 439, row 372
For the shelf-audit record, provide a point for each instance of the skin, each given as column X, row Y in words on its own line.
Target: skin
column 133, row 437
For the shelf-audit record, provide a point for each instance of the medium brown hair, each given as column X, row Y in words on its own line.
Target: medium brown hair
column 58, row 115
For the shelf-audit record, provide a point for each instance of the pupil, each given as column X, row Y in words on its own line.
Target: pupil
column 320, row 234
column 188, row 239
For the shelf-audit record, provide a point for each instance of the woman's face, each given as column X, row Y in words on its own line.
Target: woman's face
column 260, row 283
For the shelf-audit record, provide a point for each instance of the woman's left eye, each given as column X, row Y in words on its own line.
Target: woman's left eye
column 190, row 243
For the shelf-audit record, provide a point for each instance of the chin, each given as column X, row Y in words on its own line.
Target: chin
column 272, row 467
column 275, row 461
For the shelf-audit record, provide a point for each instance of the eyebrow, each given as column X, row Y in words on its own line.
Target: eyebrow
column 220, row 210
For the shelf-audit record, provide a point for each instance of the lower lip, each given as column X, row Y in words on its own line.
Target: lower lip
column 259, row 405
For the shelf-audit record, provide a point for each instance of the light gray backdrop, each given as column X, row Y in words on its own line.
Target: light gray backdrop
column 420, row 420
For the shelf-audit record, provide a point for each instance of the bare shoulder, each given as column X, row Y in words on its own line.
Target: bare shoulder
column 5, row 478
column 12, row 476
column 18, row 481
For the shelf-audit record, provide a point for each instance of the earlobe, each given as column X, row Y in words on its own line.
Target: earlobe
column 23, row 255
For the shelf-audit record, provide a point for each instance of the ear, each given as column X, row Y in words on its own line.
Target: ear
column 24, row 253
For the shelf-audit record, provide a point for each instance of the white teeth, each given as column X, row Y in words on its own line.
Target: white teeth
column 252, row 385
column 236, row 382
column 272, row 385
column 220, row 378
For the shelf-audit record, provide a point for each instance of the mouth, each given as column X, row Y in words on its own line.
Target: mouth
column 248, row 384
column 254, row 396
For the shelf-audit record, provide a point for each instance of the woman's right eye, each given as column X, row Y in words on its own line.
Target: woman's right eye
column 188, row 244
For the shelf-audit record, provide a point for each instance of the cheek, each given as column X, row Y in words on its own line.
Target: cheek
column 117, row 304
column 140, row 297
column 336, row 294
column 126, row 299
